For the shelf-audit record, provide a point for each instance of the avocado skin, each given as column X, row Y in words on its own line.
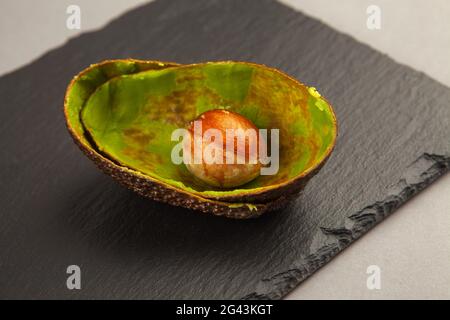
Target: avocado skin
column 158, row 192
column 249, row 206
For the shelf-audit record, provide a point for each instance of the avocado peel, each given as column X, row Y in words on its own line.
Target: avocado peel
column 106, row 103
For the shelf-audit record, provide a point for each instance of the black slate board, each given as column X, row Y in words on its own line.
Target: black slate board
column 57, row 209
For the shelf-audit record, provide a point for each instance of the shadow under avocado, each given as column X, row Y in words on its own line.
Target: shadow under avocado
column 112, row 217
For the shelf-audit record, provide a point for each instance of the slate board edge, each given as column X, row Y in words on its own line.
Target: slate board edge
column 280, row 284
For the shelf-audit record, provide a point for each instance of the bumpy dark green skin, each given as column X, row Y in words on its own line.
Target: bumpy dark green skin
column 249, row 205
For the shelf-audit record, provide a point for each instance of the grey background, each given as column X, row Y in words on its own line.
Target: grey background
column 414, row 33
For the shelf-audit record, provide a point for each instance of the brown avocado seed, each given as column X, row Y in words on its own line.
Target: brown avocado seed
column 223, row 149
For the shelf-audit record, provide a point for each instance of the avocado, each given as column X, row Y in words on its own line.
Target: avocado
column 122, row 114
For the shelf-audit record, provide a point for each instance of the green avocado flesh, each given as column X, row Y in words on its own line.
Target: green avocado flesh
column 129, row 111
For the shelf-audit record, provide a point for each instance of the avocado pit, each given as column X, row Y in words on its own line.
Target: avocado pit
column 223, row 149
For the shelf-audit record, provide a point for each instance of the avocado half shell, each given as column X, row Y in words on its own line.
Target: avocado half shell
column 121, row 113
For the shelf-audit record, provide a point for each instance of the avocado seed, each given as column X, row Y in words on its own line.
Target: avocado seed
column 223, row 149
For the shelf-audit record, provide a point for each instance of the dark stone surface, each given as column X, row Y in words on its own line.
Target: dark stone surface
column 57, row 209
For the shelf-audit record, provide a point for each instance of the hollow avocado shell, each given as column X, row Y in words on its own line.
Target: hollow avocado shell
column 200, row 86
